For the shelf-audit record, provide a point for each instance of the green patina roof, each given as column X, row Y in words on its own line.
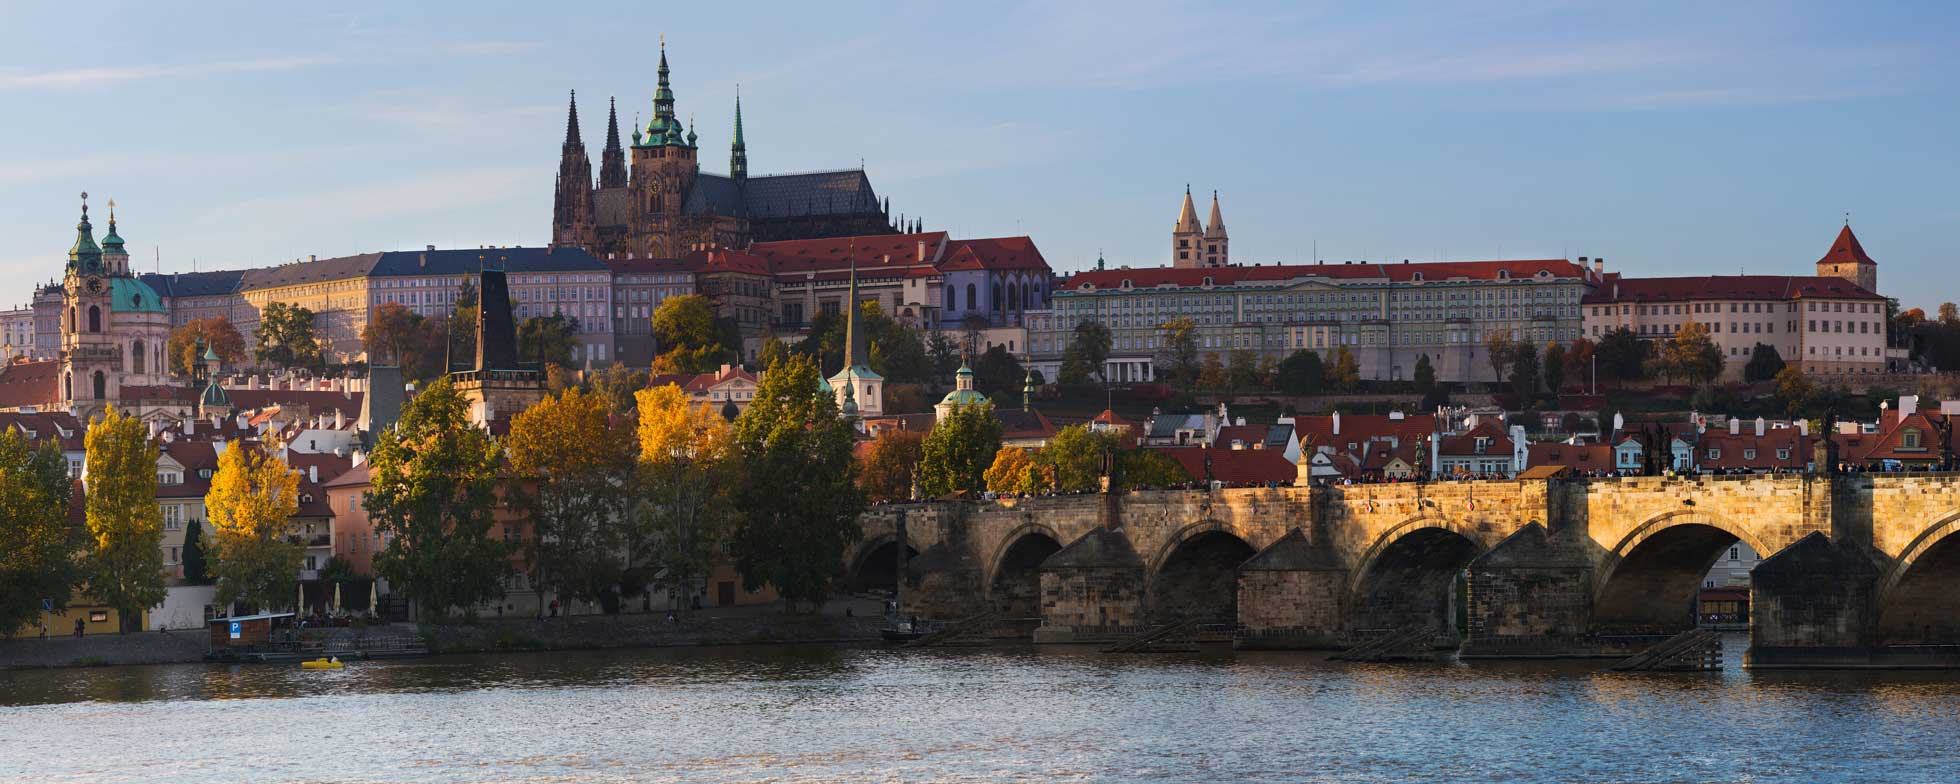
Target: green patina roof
column 129, row 295
column 857, row 371
column 84, row 247
column 214, row 395
column 210, row 354
column 963, row 397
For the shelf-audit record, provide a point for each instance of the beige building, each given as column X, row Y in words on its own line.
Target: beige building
column 335, row 290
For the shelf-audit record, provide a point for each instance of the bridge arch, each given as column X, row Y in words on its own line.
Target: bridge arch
column 1409, row 575
column 874, row 567
column 1650, row 579
column 1918, row 600
column 1194, row 575
column 1013, row 578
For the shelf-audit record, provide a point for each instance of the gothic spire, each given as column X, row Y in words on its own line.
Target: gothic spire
column 1215, row 227
column 738, row 153
column 571, row 124
column 1187, row 216
column 851, row 357
column 612, row 163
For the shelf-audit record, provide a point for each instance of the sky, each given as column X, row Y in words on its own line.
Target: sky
column 1670, row 138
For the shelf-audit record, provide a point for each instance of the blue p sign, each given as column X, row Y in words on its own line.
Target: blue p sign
column 234, row 629
column 47, row 605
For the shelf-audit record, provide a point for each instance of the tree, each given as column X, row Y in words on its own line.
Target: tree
column 1524, row 371
column 690, row 340
column 548, row 340
column 196, row 569
column 1793, row 390
column 1146, row 468
column 897, row 351
column 460, row 338
column 1579, row 362
column 1180, row 355
column 1211, row 375
column 572, row 467
column 1086, row 352
column 773, row 350
column 218, row 335
column 126, row 566
column 252, row 499
column 1554, row 367
column 1622, row 356
column 392, row 333
column 1691, row 354
column 998, row 373
column 792, row 436
column 1302, row 373
column 1949, row 313
column 1241, row 370
column 37, row 546
column 434, row 478
column 1014, row 472
column 687, row 472
column 616, row 385
column 944, row 353
column 1764, row 363
column 1498, row 348
column 1346, row 375
column 887, row 471
column 285, row 336
column 1424, row 376
column 955, row 455
column 1077, row 457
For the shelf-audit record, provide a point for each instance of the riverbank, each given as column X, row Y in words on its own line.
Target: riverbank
column 845, row 620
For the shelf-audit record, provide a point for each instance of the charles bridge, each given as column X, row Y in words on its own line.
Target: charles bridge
column 1859, row 569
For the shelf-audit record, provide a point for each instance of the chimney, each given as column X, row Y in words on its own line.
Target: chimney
column 1760, row 424
column 244, row 422
column 156, row 427
column 190, row 426
column 1735, row 426
column 922, row 250
column 432, row 247
column 1803, row 427
column 340, row 420
column 312, row 257
column 313, row 473
column 1337, row 423
column 360, row 458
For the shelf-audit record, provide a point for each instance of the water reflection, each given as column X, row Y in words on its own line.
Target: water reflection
column 825, row 714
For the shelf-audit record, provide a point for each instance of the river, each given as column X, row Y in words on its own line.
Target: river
column 806, row 714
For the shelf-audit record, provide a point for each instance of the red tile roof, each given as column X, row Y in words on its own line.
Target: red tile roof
column 24, row 384
column 1465, row 443
column 788, row 256
column 1579, row 457
column 994, row 253
column 1318, row 430
column 45, row 427
column 690, row 263
column 1399, row 273
column 1235, row 466
column 1846, row 250
column 1707, row 287
column 712, row 261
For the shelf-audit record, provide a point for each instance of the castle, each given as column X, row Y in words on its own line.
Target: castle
column 659, row 204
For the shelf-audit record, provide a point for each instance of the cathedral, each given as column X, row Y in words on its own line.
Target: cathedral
column 655, row 202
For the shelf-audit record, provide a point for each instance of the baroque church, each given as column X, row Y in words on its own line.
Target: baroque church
column 656, row 202
column 113, row 329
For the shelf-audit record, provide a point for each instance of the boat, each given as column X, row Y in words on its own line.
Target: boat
column 900, row 632
column 322, row 664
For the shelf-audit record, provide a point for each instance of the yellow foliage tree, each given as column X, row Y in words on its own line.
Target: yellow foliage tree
column 252, row 499
column 685, row 473
column 574, row 466
column 1014, row 471
column 126, row 564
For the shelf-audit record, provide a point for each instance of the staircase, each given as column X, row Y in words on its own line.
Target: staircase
column 955, row 630
column 1695, row 650
column 1149, row 639
column 1409, row 643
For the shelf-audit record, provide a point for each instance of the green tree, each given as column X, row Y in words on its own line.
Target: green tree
column 1145, row 468
column 958, row 450
column 1076, row 456
column 217, row 333
column 1554, row 367
column 944, row 353
column 690, row 339
column 617, row 385
column 687, row 475
column 1346, row 375
column 433, row 500
column 251, row 503
column 1302, row 373
column 285, row 336
column 572, row 468
column 1524, row 371
column 887, row 471
column 792, row 436
column 197, row 570
column 1622, row 356
column 773, row 350
column 1241, row 370
column 1180, row 357
column 126, row 565
column 1087, row 349
column 998, row 373
column 548, row 340
column 1764, row 363
column 37, row 546
column 1794, row 391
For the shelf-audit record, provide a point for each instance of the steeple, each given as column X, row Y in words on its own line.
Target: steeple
column 738, row 153
column 1187, row 238
column 663, row 129
column 1215, row 226
column 1847, row 259
column 1187, row 216
column 852, row 356
column 112, row 243
column 84, row 256
column 571, row 125
column 612, row 162
column 691, row 137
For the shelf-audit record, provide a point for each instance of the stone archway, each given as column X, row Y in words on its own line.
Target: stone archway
column 1649, row 581
column 1919, row 596
column 1014, row 571
column 1411, row 576
column 876, row 566
column 1195, row 576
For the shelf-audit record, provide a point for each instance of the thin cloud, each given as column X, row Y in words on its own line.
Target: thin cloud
column 422, row 194
column 104, row 76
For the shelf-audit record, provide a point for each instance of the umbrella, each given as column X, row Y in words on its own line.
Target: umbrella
column 374, row 596
column 336, row 596
column 299, row 604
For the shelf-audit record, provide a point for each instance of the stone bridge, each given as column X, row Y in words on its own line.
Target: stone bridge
column 1860, row 570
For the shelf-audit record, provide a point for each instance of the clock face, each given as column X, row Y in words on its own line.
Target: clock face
column 94, row 285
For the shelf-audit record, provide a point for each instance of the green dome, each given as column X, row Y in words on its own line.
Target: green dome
column 963, row 397
column 129, row 295
column 214, row 396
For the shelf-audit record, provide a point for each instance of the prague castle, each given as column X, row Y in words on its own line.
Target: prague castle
column 655, row 202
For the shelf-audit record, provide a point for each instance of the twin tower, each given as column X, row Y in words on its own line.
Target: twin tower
column 1199, row 245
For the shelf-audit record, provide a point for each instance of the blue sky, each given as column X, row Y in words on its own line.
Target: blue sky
column 1670, row 138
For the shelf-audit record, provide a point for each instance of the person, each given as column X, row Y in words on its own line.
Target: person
column 79, row 626
column 554, row 608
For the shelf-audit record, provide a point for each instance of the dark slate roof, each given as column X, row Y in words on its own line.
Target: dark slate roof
column 714, row 193
column 195, row 284
column 470, row 260
column 814, row 193
column 302, row 272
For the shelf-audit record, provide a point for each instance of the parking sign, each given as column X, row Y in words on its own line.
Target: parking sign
column 234, row 630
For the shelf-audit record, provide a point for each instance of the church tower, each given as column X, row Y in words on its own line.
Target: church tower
column 664, row 167
column 1187, row 238
column 738, row 153
column 1847, row 260
column 612, row 162
column 572, row 219
column 1217, row 246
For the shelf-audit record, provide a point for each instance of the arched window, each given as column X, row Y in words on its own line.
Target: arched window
column 94, row 318
column 1013, row 298
column 138, row 358
column 71, row 318
column 969, row 298
column 952, row 299
column 995, row 303
column 101, row 386
column 68, row 381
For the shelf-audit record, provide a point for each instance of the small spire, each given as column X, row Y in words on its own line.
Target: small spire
column 1187, row 215
column 571, row 122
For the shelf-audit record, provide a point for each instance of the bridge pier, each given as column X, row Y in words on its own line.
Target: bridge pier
column 1092, row 590
column 1292, row 595
column 1814, row 606
column 1530, row 596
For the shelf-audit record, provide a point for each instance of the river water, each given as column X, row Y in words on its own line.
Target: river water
column 805, row 714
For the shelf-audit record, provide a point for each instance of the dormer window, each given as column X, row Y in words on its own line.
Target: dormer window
column 1714, row 453
column 1503, row 274
column 204, row 473
column 1126, row 283
column 1207, row 280
column 1417, row 278
column 1482, row 444
column 1909, row 438
column 1748, row 454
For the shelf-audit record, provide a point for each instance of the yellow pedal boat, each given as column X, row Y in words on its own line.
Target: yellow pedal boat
column 322, row 664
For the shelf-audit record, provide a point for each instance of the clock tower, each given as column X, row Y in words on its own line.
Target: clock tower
column 89, row 359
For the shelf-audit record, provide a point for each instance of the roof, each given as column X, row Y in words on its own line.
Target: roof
column 465, row 261
column 1846, row 250
column 1015, row 423
column 1430, row 271
column 130, row 295
column 1254, row 436
column 841, row 192
column 994, row 253
column 1318, row 430
column 195, row 284
column 316, row 401
column 1709, row 287
column 872, row 252
column 721, row 260
column 302, row 272
column 648, row 264
column 60, row 428
column 1234, row 466
column 1578, row 457
column 1465, row 443
column 357, row 476
column 25, row 384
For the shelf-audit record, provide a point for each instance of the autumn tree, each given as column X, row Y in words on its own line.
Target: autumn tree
column 690, row 341
column 434, row 478
column 1180, row 353
column 393, row 334
column 571, row 467
column 957, row 452
column 1346, row 373
column 688, row 476
column 252, row 500
column 459, row 335
column 1793, row 390
column 1013, row 471
column 1579, row 362
column 1554, row 367
column 216, row 332
column 1212, row 374
column 125, row 568
column 37, row 545
column 792, row 437
column 1087, row 349
column 1498, row 352
column 1691, row 355
column 888, row 468
column 285, row 336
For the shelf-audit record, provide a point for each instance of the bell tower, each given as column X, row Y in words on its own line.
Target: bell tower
column 90, row 358
column 1847, row 259
column 1188, row 237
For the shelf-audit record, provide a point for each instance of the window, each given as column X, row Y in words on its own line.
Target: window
column 1714, row 453
column 1735, row 553
column 1910, row 438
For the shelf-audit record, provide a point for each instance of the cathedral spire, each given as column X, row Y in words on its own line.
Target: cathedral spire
column 85, row 256
column 571, row 124
column 1215, row 227
column 612, row 162
column 852, row 358
column 1187, row 216
column 738, row 153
